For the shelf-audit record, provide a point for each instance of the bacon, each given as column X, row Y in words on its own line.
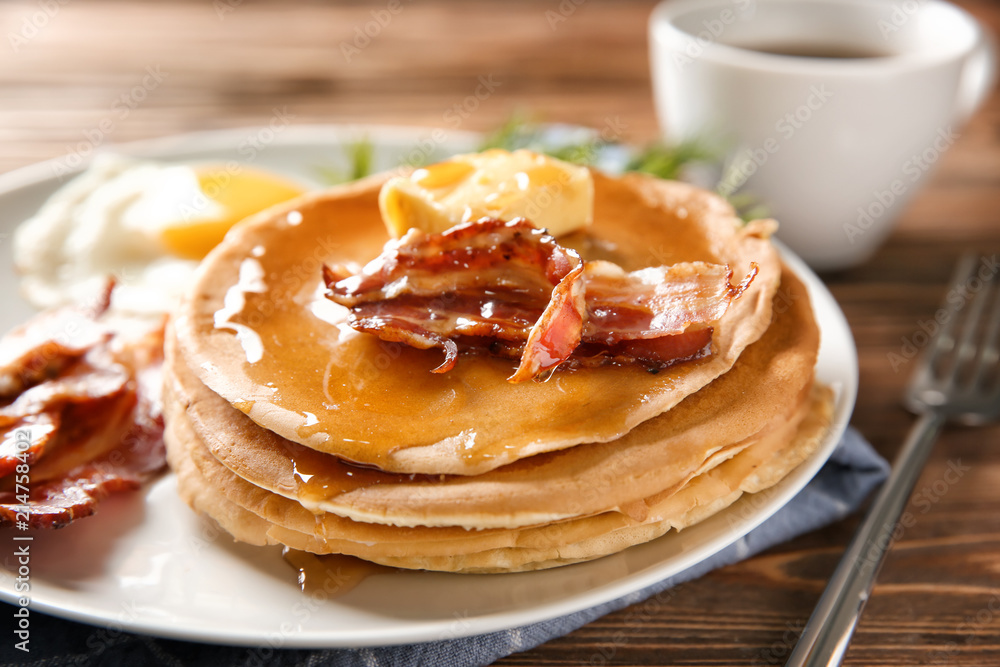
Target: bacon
column 39, row 431
column 91, row 425
column 75, row 494
column 659, row 315
column 136, row 456
column 557, row 333
column 89, row 380
column 511, row 290
column 485, row 255
column 486, row 279
column 654, row 353
column 49, row 342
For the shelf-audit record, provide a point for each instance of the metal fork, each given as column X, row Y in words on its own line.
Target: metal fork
column 956, row 379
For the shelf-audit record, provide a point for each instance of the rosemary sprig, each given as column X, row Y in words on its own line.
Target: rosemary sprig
column 359, row 154
column 667, row 161
column 515, row 132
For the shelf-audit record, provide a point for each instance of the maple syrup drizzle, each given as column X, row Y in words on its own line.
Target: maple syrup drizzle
column 334, row 574
column 367, row 400
column 319, row 477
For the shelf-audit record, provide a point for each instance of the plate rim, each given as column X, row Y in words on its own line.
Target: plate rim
column 835, row 326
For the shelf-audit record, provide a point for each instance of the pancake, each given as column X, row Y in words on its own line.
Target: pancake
column 259, row 517
column 428, row 540
column 760, row 394
column 257, row 332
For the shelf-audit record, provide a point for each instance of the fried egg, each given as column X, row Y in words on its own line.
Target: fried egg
column 145, row 224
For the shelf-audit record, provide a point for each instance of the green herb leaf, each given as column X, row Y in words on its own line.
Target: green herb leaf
column 516, row 132
column 359, row 156
column 668, row 161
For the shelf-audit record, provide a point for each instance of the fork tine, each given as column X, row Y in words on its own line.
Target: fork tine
column 944, row 342
column 989, row 353
column 933, row 393
column 937, row 360
column 967, row 345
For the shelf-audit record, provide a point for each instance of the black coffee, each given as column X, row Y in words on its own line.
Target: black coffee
column 818, row 51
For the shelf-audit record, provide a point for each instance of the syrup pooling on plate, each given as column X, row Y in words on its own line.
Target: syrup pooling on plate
column 333, row 574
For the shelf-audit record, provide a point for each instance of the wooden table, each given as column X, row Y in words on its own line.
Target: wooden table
column 65, row 66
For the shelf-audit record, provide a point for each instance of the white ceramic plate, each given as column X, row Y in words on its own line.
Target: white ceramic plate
column 146, row 563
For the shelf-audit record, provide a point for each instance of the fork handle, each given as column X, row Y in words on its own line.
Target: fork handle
column 831, row 626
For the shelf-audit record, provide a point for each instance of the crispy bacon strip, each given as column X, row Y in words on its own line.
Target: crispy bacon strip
column 55, row 503
column 40, row 430
column 485, row 255
column 92, row 421
column 658, row 300
column 88, row 380
column 136, row 455
column 659, row 315
column 486, row 279
column 556, row 334
column 511, row 290
column 49, row 342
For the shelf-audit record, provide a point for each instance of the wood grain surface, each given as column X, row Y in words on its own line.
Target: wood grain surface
column 82, row 71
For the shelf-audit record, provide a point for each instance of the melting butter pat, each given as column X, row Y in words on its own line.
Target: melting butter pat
column 550, row 193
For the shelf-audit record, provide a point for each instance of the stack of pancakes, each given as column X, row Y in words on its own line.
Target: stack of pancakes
column 288, row 427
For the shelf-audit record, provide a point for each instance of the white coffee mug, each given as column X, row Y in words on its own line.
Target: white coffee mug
column 835, row 138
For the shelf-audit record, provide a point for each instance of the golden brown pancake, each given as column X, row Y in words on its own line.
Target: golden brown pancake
column 254, row 515
column 258, row 332
column 759, row 395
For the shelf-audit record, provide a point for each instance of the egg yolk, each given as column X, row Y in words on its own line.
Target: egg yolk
column 239, row 195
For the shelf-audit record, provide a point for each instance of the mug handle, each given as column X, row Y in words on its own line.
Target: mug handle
column 978, row 77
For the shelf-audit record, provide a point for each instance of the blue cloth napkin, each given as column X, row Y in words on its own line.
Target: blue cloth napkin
column 844, row 482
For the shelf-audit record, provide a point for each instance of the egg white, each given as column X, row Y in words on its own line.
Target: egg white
column 112, row 222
